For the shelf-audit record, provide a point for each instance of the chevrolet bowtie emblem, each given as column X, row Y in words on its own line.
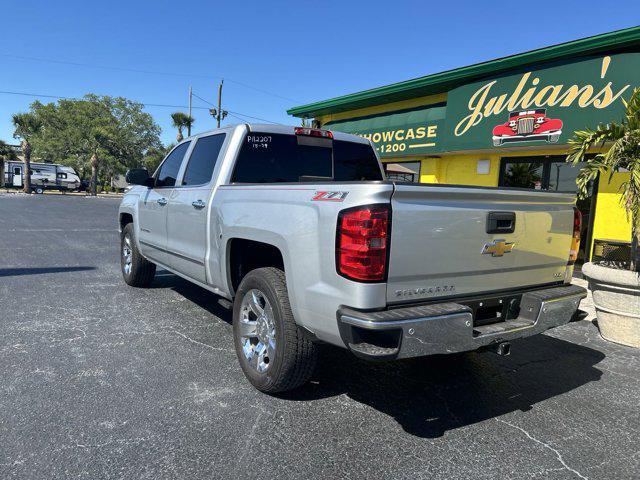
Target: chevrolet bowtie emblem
column 498, row 248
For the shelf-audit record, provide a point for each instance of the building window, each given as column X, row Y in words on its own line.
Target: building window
column 552, row 173
column 403, row 171
column 549, row 172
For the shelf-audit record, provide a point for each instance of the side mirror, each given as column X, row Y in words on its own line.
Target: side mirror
column 139, row 176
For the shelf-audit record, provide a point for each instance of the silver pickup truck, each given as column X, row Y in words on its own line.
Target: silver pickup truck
column 299, row 228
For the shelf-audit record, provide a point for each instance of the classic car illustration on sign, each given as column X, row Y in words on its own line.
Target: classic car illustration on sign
column 526, row 126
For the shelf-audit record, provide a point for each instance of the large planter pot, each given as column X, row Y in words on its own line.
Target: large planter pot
column 616, row 295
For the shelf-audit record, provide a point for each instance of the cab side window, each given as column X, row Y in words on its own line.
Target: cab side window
column 168, row 172
column 203, row 160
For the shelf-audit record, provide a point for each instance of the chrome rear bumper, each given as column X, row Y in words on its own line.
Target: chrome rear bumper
column 449, row 327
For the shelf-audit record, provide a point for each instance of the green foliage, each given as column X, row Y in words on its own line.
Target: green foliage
column 154, row 157
column 522, row 175
column 6, row 152
column 623, row 154
column 114, row 128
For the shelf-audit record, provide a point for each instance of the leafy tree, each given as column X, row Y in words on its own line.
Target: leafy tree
column 180, row 121
column 6, row 152
column 623, row 154
column 98, row 134
column 155, row 155
column 27, row 126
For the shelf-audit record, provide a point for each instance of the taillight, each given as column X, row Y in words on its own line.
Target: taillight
column 575, row 240
column 362, row 243
column 313, row 132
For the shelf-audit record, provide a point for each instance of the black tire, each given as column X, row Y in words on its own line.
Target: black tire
column 141, row 271
column 296, row 354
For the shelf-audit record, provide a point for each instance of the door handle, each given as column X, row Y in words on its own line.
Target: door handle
column 198, row 204
column 162, row 201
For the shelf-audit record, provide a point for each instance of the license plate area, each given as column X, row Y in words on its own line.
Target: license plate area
column 489, row 310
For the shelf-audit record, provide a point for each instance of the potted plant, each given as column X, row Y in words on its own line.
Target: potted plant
column 615, row 286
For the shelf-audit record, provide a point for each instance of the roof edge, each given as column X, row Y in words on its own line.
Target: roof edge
column 618, row 38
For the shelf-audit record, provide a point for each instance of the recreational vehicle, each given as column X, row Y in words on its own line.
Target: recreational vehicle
column 44, row 176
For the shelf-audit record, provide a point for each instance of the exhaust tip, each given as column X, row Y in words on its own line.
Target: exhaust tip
column 503, row 349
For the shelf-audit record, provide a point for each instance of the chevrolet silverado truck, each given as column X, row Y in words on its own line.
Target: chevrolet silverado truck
column 299, row 231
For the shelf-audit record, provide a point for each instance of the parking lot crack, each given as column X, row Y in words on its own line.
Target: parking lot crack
column 545, row 445
column 218, row 349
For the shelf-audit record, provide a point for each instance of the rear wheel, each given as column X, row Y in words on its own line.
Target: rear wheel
column 137, row 271
column 274, row 354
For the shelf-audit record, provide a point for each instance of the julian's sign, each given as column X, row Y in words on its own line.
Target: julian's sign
column 546, row 105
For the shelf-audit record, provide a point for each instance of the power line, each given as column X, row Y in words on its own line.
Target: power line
column 162, row 105
column 148, row 72
column 60, row 97
column 235, row 114
column 205, row 101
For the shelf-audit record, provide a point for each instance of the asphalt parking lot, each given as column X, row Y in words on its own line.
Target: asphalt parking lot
column 100, row 380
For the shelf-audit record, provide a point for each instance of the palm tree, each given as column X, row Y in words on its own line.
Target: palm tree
column 100, row 140
column 180, row 121
column 622, row 155
column 27, row 125
column 522, row 175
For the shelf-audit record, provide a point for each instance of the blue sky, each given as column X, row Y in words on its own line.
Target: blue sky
column 273, row 55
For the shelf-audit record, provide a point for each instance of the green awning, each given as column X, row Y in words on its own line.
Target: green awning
column 401, row 133
column 399, row 119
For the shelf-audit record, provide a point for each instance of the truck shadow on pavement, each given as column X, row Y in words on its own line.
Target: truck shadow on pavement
column 432, row 395
column 429, row 396
column 14, row 272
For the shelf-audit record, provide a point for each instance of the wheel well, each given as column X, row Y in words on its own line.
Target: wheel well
column 247, row 255
column 125, row 218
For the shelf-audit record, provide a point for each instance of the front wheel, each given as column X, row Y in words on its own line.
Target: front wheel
column 137, row 271
column 274, row 354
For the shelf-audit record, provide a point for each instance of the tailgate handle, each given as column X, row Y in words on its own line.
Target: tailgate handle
column 501, row 222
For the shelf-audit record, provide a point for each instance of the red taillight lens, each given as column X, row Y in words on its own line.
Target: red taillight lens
column 313, row 132
column 362, row 243
column 575, row 240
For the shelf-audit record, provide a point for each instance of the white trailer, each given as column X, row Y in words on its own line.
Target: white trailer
column 44, row 176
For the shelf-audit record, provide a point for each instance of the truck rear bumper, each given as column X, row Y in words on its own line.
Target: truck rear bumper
column 449, row 327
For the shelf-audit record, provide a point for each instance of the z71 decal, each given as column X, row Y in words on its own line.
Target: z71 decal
column 329, row 196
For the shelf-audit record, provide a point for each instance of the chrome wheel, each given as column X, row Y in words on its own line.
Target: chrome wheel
column 127, row 255
column 257, row 330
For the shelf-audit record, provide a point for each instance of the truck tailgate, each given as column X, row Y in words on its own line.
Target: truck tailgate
column 440, row 246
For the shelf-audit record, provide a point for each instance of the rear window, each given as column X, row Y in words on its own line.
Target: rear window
column 274, row 158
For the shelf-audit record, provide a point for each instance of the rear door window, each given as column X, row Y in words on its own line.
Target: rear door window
column 275, row 158
column 168, row 172
column 355, row 161
column 203, row 160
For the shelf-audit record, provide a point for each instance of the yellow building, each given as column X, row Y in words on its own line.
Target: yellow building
column 505, row 122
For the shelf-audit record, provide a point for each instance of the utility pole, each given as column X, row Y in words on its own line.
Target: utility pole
column 218, row 113
column 189, row 125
